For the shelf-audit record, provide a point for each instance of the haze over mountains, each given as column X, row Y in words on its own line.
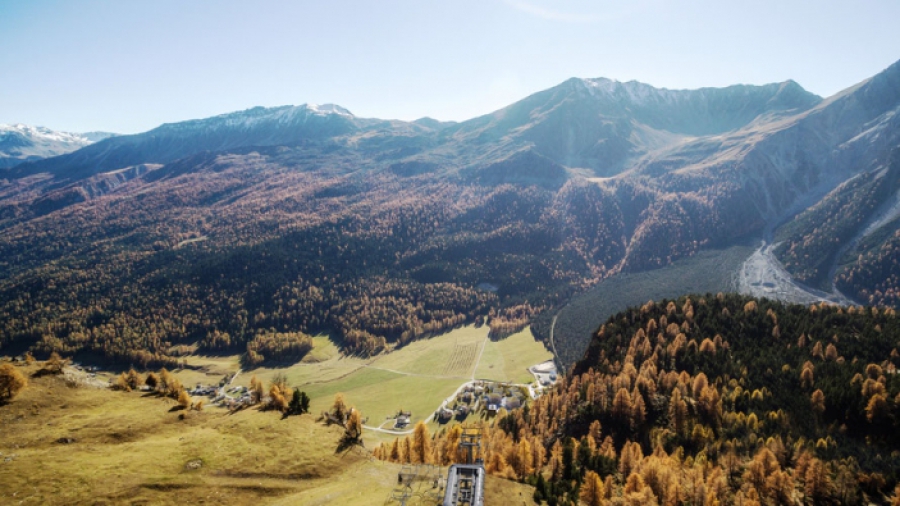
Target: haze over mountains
column 311, row 218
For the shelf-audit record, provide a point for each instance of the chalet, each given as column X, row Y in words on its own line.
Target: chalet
column 402, row 420
column 444, row 414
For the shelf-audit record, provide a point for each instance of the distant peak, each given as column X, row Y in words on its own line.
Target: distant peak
column 329, row 109
column 44, row 134
column 633, row 91
column 253, row 116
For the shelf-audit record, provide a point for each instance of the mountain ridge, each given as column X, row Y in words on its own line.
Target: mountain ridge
column 312, row 219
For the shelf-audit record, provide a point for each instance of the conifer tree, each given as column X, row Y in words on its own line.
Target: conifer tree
column 817, row 400
column 523, row 462
column 133, row 379
column 353, row 428
column 152, row 380
column 593, row 492
column 184, row 399
column 406, row 451
column 120, row 383
column 339, row 408
column 11, row 382
column 421, row 450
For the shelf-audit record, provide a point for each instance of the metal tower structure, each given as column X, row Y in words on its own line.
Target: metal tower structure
column 465, row 482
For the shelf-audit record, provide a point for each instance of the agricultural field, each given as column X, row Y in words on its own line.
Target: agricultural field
column 82, row 445
column 451, row 355
column 509, row 359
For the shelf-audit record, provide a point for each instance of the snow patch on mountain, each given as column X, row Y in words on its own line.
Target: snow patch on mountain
column 21, row 143
column 42, row 134
column 635, row 92
column 257, row 116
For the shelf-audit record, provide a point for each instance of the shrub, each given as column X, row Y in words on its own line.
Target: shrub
column 11, row 382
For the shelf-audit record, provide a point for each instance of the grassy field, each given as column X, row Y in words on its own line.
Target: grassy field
column 129, row 448
column 452, row 354
column 379, row 394
column 414, row 378
column 510, row 358
column 323, row 349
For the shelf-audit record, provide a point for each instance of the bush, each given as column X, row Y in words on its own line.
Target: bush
column 184, row 399
column 11, row 382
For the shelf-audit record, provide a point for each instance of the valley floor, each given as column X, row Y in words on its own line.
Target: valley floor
column 762, row 275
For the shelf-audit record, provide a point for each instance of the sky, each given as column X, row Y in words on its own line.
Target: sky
column 129, row 66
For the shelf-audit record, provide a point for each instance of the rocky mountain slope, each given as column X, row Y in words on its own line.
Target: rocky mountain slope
column 309, row 218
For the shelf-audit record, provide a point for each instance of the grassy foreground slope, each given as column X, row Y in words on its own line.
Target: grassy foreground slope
column 85, row 445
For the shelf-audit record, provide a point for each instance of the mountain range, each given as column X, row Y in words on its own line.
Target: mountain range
column 22, row 143
column 309, row 218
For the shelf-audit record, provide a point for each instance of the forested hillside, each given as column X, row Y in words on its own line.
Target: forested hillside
column 716, row 400
column 873, row 274
column 217, row 249
column 809, row 245
column 246, row 232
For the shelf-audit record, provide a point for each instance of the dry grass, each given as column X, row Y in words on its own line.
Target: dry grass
column 130, row 448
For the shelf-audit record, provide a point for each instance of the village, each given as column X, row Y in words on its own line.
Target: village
column 482, row 398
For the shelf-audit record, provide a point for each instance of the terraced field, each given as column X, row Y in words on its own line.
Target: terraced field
column 462, row 359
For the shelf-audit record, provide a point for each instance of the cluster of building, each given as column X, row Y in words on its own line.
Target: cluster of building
column 482, row 395
column 222, row 395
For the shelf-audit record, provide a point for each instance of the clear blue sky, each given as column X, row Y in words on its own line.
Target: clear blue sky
column 129, row 65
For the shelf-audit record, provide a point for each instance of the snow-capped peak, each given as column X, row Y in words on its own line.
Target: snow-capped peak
column 39, row 134
column 253, row 117
column 328, row 109
column 21, row 143
column 634, row 91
